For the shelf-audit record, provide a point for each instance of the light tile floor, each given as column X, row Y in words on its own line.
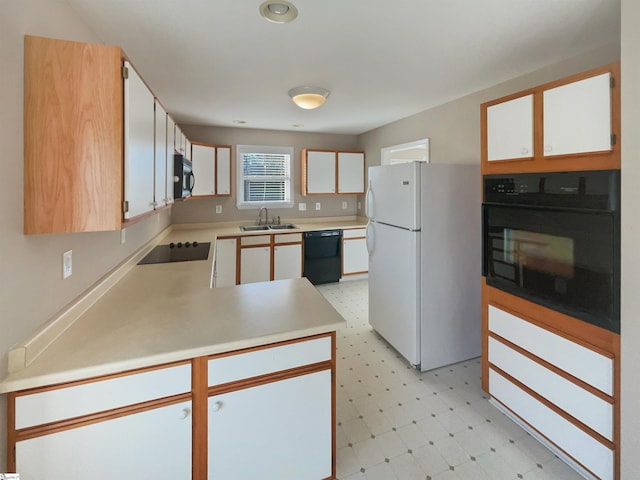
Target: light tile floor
column 395, row 423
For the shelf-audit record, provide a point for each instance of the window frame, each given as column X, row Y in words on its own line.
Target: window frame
column 288, row 201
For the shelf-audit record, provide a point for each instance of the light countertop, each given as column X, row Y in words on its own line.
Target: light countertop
column 166, row 312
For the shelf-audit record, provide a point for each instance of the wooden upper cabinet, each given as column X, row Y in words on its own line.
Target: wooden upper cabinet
column 510, row 129
column 351, row 172
column 211, row 169
column 331, row 172
column 73, row 137
column 570, row 124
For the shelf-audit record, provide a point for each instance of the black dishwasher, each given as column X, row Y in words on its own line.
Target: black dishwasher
column 323, row 256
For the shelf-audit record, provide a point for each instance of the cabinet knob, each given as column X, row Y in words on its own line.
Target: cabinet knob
column 547, row 148
column 185, row 413
column 216, row 406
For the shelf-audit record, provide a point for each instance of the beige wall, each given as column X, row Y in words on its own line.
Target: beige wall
column 203, row 210
column 31, row 285
column 454, row 128
column 630, row 308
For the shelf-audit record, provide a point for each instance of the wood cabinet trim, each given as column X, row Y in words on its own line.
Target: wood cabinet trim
column 615, row 451
column 111, row 414
column 599, row 160
column 199, row 372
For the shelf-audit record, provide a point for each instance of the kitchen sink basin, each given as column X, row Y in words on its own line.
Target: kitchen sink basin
column 284, row 226
column 253, row 228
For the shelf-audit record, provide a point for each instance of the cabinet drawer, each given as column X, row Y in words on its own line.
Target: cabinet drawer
column 240, row 366
column 581, row 362
column 586, row 407
column 354, row 233
column 575, row 442
column 255, row 240
column 69, row 402
column 288, row 238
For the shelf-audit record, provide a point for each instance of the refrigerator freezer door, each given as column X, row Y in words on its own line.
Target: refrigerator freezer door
column 393, row 195
column 394, row 285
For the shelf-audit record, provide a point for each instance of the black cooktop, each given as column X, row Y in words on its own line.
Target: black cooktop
column 177, row 252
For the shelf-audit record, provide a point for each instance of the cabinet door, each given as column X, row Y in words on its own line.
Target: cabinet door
column 223, row 170
column 350, row 172
column 321, row 172
column 510, row 129
column 284, row 428
column 204, row 160
column 577, row 117
column 160, row 196
column 151, row 444
column 255, row 264
column 355, row 258
column 171, row 126
column 225, row 275
column 287, row 261
column 139, row 139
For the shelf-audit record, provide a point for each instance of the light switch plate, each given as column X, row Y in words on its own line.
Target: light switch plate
column 218, row 208
column 67, row 264
column 344, row 205
column 317, row 205
column 302, row 207
column 123, row 236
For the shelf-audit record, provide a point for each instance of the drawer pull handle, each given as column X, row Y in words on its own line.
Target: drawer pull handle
column 216, row 406
column 185, row 413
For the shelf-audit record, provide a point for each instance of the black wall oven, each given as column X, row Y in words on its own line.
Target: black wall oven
column 554, row 238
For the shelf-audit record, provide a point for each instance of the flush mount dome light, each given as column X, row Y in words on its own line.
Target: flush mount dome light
column 278, row 12
column 308, row 97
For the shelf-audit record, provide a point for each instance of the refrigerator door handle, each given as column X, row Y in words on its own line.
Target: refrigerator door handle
column 368, row 204
column 370, row 239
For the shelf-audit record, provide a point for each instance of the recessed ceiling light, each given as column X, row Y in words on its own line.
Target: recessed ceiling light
column 278, row 12
column 240, row 121
column 298, row 125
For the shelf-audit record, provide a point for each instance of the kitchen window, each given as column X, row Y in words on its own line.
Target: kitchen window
column 264, row 176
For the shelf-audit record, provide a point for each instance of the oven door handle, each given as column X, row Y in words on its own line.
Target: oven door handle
column 485, row 240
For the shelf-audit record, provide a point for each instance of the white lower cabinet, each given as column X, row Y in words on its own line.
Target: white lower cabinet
column 225, row 270
column 153, row 444
column 287, row 261
column 355, row 257
column 561, row 390
column 255, row 264
column 275, row 431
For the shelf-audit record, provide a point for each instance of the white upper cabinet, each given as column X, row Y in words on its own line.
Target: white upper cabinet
column 577, row 117
column 223, row 170
column 161, row 158
column 321, row 172
column 171, row 126
column 350, row 172
column 139, row 145
column 510, row 129
column 203, row 158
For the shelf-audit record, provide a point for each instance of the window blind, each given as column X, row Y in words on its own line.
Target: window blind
column 265, row 177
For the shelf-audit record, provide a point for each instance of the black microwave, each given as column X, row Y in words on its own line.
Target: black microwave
column 183, row 179
column 554, row 239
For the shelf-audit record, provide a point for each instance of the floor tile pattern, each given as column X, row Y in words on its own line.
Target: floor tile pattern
column 396, row 423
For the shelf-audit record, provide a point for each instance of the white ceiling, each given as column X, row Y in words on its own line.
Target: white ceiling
column 214, row 61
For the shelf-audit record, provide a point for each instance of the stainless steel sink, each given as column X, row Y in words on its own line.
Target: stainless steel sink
column 253, row 228
column 284, row 226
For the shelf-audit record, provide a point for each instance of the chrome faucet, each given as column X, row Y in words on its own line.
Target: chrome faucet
column 266, row 216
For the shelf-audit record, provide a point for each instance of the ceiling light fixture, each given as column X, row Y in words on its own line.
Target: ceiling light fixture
column 278, row 12
column 308, row 97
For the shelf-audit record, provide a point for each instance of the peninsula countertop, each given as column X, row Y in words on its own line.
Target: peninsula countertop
column 163, row 313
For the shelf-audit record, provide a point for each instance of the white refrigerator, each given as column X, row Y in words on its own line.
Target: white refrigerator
column 424, row 243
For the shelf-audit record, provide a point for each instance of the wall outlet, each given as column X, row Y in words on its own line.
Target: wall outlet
column 317, row 205
column 302, row 207
column 218, row 208
column 67, row 264
column 123, row 236
column 344, row 205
